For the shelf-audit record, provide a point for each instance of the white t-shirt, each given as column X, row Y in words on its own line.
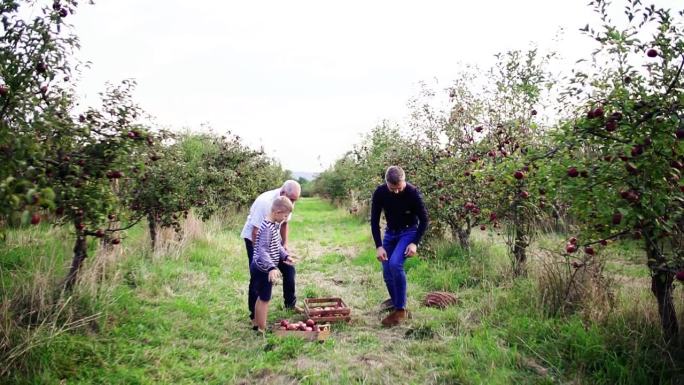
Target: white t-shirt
column 259, row 210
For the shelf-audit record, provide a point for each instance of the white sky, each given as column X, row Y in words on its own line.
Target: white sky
column 304, row 78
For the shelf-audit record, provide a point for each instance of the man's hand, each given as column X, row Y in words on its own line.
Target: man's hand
column 410, row 250
column 273, row 275
column 382, row 254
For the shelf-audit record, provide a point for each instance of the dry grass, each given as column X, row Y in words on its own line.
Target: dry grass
column 36, row 309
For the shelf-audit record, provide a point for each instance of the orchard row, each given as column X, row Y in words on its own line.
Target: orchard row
column 517, row 149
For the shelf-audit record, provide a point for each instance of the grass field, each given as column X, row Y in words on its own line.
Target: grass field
column 182, row 318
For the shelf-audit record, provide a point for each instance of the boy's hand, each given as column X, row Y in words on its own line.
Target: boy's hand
column 273, row 275
column 290, row 260
column 382, row 254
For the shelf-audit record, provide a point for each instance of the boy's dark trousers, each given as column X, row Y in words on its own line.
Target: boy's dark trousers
column 288, row 272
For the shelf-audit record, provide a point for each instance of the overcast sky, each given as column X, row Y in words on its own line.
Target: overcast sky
column 304, row 78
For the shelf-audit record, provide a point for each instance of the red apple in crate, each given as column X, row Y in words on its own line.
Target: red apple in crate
column 310, row 322
column 292, row 327
column 308, row 329
column 302, row 327
column 284, row 322
column 283, row 328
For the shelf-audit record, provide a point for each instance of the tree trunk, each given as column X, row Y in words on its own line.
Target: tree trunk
column 661, row 287
column 519, row 250
column 152, row 223
column 80, row 254
column 461, row 233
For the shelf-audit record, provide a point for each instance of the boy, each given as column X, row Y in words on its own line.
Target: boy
column 268, row 253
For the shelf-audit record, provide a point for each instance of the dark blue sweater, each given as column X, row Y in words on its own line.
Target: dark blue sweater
column 402, row 210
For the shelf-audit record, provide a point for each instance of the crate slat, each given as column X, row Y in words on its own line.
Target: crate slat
column 320, row 335
column 314, row 309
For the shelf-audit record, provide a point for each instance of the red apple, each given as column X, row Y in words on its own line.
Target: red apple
column 680, row 275
column 680, row 133
column 589, row 250
column 284, row 322
column 116, row 241
column 35, row 219
column 617, row 218
column 519, row 175
column 572, row 240
column 310, row 322
column 572, row 172
column 631, row 168
column 652, row 53
column 570, row 248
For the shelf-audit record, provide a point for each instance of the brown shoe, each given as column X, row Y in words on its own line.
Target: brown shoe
column 395, row 318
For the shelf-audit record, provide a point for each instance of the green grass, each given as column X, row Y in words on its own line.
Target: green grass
column 184, row 320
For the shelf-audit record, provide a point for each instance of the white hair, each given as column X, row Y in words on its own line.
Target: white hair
column 291, row 188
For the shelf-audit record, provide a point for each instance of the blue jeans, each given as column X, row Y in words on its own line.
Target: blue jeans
column 288, row 272
column 395, row 243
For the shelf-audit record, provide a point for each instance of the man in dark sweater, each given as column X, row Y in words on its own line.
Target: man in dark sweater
column 407, row 221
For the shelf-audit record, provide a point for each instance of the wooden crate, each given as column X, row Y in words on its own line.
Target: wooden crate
column 315, row 308
column 321, row 335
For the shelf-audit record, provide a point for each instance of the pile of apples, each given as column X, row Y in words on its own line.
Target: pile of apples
column 304, row 326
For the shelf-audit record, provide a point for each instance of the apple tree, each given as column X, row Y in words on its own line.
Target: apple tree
column 622, row 154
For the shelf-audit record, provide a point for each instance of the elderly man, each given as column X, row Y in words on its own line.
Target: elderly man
column 257, row 212
column 407, row 221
